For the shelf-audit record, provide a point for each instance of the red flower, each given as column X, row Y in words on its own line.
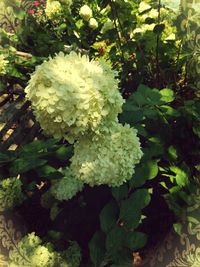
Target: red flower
column 36, row 3
column 30, row 11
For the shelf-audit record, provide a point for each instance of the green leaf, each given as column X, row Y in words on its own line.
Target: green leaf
column 169, row 111
column 61, row 27
column 64, row 153
column 25, row 164
column 130, row 210
column 178, row 227
column 115, row 239
column 148, row 96
column 172, row 153
column 97, row 248
column 131, row 116
column 196, row 129
column 143, row 172
column 7, row 156
column 167, row 95
column 108, row 216
column 141, row 130
column 46, row 170
column 37, row 146
column 135, row 240
column 120, row 192
column 181, row 176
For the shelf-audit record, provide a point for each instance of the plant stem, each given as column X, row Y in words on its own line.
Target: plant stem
column 157, row 49
column 118, row 34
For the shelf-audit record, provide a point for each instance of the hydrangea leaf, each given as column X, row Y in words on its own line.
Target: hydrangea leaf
column 108, row 216
column 130, row 210
column 97, row 248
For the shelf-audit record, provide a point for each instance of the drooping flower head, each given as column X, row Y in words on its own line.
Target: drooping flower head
column 72, row 95
column 109, row 159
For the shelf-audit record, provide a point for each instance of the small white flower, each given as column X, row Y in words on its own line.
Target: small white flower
column 93, row 24
column 85, row 12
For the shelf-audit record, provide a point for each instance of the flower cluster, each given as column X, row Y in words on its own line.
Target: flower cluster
column 71, row 95
column 66, row 187
column 108, row 160
column 55, row 8
column 79, row 100
column 10, row 193
column 3, row 64
column 86, row 14
column 30, row 252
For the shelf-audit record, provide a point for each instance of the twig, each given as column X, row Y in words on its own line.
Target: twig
column 24, row 54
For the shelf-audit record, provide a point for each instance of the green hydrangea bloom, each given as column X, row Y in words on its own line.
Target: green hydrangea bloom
column 30, row 252
column 10, row 193
column 53, row 8
column 109, row 159
column 72, row 95
column 3, row 64
column 66, row 187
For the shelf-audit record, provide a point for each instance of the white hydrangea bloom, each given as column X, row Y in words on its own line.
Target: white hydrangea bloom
column 144, row 28
column 66, row 187
column 42, row 257
column 30, row 253
column 93, row 24
column 72, row 96
column 53, row 8
column 143, row 6
column 3, row 64
column 108, row 160
column 85, row 12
